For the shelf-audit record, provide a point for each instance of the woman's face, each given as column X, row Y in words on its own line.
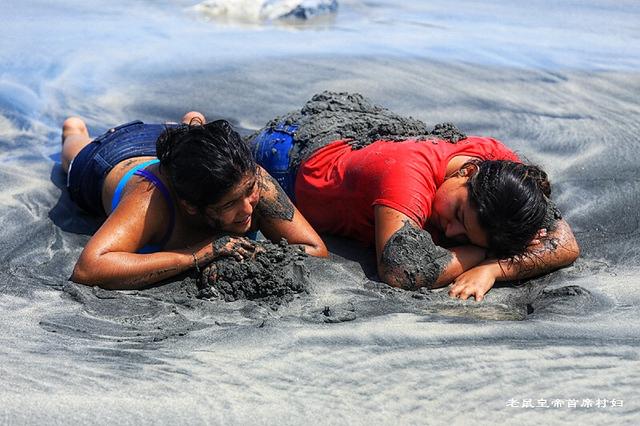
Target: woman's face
column 453, row 214
column 233, row 213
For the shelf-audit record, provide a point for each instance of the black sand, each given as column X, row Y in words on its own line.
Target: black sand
column 274, row 276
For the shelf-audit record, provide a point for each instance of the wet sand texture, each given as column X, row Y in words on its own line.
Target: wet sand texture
column 331, row 116
column 277, row 273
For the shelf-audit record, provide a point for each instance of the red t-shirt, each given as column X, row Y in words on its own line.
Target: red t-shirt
column 337, row 188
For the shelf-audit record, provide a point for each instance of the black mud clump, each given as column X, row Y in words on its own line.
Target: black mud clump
column 448, row 132
column 274, row 276
column 331, row 116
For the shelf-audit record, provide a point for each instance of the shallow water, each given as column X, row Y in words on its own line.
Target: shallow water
column 558, row 83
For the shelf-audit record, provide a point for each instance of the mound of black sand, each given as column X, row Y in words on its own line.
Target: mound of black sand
column 331, row 116
column 275, row 275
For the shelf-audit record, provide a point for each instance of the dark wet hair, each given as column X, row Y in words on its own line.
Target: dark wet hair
column 511, row 200
column 204, row 162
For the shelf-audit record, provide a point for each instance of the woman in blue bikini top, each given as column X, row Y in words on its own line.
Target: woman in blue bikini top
column 175, row 198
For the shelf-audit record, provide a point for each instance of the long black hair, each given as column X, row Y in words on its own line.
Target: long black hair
column 512, row 201
column 204, row 162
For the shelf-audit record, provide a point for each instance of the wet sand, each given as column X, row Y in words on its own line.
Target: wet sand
column 345, row 332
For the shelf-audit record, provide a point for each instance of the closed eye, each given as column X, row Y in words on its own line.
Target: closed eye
column 251, row 189
column 228, row 205
column 460, row 216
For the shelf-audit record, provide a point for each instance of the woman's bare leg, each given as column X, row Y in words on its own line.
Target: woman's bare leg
column 194, row 118
column 75, row 136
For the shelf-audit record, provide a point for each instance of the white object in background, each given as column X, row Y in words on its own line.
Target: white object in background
column 262, row 10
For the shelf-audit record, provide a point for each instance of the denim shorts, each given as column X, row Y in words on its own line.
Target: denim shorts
column 271, row 149
column 92, row 164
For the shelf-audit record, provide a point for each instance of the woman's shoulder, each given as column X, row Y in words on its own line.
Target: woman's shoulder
column 274, row 202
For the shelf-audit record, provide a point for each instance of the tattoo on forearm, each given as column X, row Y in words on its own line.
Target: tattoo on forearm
column 414, row 257
column 274, row 203
column 558, row 248
column 551, row 243
column 152, row 277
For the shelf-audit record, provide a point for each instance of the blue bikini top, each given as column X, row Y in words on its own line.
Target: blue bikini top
column 139, row 170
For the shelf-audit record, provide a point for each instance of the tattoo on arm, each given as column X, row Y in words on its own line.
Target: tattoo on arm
column 414, row 258
column 274, row 203
column 551, row 243
column 152, row 277
column 537, row 258
column 545, row 256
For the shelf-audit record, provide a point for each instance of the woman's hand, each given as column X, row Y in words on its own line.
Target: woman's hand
column 475, row 282
column 237, row 247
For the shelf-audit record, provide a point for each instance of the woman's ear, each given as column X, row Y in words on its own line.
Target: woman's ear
column 468, row 169
column 188, row 207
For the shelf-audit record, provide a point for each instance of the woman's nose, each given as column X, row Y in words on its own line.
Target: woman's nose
column 254, row 199
column 248, row 205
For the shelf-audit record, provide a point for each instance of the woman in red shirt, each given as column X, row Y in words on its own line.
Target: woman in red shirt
column 440, row 207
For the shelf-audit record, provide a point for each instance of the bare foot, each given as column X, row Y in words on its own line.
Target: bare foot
column 194, row 118
column 74, row 126
column 75, row 136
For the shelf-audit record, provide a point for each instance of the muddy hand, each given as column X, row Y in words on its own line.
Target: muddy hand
column 209, row 274
column 237, row 247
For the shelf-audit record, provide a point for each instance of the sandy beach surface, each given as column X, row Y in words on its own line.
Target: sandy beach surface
column 558, row 83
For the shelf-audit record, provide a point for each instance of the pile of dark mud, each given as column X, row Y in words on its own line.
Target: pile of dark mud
column 274, row 276
column 331, row 116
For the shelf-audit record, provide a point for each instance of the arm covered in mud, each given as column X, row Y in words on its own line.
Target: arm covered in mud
column 554, row 248
column 408, row 258
column 278, row 218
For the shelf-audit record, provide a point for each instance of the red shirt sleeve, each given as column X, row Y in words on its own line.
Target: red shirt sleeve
column 409, row 185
